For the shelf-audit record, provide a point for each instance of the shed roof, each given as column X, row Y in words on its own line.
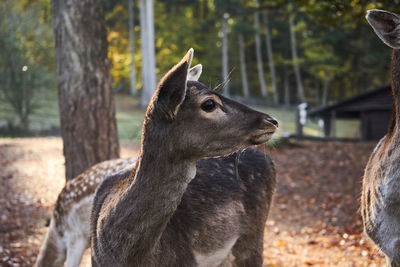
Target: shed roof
column 379, row 99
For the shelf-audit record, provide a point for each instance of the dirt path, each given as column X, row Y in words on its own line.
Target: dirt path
column 314, row 219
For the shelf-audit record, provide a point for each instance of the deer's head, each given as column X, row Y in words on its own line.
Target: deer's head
column 196, row 122
column 386, row 25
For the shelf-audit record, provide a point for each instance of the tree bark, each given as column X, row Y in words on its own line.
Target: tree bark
column 295, row 58
column 243, row 71
column 260, row 68
column 270, row 55
column 225, row 58
column 132, row 48
column 87, row 109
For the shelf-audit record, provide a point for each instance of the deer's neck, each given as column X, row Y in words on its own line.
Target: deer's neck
column 151, row 199
column 395, row 120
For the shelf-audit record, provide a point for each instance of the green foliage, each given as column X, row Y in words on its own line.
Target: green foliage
column 26, row 66
column 334, row 43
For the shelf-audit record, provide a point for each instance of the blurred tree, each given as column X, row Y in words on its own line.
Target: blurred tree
column 270, row 55
column 23, row 42
column 132, row 48
column 225, row 58
column 243, row 71
column 148, row 52
column 87, row 110
column 259, row 58
column 295, row 58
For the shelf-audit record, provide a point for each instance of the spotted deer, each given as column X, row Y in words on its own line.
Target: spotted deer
column 69, row 236
column 380, row 203
column 181, row 206
column 69, row 232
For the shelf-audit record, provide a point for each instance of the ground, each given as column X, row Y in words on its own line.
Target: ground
column 314, row 219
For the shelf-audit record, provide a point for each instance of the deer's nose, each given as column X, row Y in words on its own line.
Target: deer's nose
column 273, row 121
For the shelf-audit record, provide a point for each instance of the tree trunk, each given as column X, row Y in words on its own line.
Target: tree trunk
column 225, row 58
column 286, row 89
column 132, row 48
column 260, row 67
column 325, row 92
column 144, row 52
column 270, row 55
column 148, row 52
column 150, row 43
column 87, row 109
column 295, row 58
column 243, row 71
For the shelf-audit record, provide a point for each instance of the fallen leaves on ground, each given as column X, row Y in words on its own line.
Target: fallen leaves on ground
column 314, row 220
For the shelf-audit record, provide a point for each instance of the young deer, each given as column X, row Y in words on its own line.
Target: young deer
column 69, row 236
column 380, row 204
column 158, row 215
column 69, row 232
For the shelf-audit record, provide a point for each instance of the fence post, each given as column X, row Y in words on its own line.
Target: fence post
column 301, row 119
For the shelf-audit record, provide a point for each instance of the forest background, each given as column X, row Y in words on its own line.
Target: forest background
column 271, row 54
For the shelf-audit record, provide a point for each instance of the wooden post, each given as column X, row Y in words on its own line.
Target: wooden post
column 363, row 126
column 301, row 119
column 299, row 126
column 327, row 126
column 333, row 124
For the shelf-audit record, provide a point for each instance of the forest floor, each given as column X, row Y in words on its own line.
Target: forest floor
column 314, row 219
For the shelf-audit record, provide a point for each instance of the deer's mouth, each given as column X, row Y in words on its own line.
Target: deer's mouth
column 262, row 138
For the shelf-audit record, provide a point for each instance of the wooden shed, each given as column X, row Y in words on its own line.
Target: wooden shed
column 373, row 109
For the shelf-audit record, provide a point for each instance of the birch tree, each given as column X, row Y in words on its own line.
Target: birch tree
column 270, row 55
column 225, row 59
column 148, row 52
column 260, row 68
column 132, row 72
column 286, row 90
column 243, row 72
column 295, row 58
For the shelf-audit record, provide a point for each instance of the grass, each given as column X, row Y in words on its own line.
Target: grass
column 130, row 118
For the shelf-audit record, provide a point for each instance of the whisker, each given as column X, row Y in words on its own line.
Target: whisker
column 219, row 87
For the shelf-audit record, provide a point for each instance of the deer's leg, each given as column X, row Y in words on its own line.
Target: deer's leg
column 75, row 248
column 52, row 252
column 248, row 250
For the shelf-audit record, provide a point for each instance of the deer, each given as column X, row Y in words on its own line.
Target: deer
column 198, row 195
column 69, row 236
column 69, row 231
column 380, row 201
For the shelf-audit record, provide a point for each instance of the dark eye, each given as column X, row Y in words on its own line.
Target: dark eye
column 208, row 105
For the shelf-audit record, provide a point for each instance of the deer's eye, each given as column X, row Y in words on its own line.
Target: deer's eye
column 208, row 105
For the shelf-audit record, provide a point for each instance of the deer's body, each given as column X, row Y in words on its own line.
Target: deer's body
column 69, row 231
column 221, row 216
column 381, row 183
column 168, row 212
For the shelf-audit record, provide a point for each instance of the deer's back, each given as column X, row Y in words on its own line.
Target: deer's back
column 227, row 199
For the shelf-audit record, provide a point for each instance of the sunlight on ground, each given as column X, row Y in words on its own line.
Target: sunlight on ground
column 313, row 219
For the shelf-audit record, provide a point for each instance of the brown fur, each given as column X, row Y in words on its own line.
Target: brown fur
column 380, row 202
column 161, row 216
column 377, row 166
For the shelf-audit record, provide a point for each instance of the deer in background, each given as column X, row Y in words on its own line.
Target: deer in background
column 172, row 211
column 380, row 203
column 69, row 232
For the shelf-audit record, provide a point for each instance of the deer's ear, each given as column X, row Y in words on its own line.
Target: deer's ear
column 386, row 25
column 195, row 72
column 171, row 90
